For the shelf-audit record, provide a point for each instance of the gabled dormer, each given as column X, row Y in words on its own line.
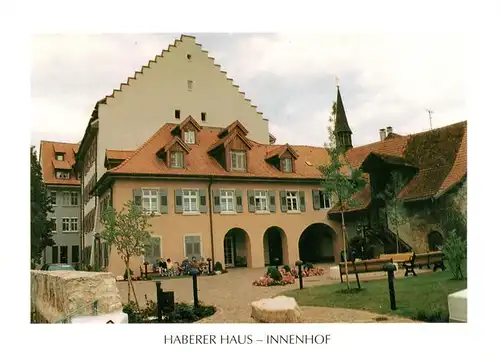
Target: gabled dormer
column 231, row 150
column 174, row 153
column 235, row 126
column 283, row 158
column 187, row 131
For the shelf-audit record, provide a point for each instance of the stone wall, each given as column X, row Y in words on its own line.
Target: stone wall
column 56, row 295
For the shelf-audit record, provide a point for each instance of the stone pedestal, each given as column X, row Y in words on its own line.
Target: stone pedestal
column 457, row 306
column 334, row 272
column 280, row 309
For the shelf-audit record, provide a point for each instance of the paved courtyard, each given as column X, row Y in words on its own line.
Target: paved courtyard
column 233, row 292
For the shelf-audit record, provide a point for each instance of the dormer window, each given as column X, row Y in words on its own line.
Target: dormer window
column 177, row 159
column 287, row 165
column 59, row 156
column 238, row 160
column 62, row 174
column 189, row 137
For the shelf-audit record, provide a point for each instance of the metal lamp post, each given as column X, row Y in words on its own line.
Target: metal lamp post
column 390, row 268
column 299, row 264
column 194, row 273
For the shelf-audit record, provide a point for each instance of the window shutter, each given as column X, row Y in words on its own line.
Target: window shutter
column 272, row 200
column 216, row 194
column 163, row 201
column 251, row 201
column 203, row 200
column 316, row 199
column 284, row 207
column 178, row 201
column 239, row 201
column 302, row 197
column 137, row 197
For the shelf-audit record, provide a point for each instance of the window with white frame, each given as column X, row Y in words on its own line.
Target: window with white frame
column 152, row 252
column 287, row 165
column 53, row 197
column 53, row 222
column 227, row 200
column 150, row 200
column 190, row 200
column 192, row 246
column 59, row 156
column 325, row 202
column 66, row 198
column 238, row 160
column 74, row 198
column 190, row 85
column 189, row 137
column 292, row 201
column 176, row 159
column 66, row 225
column 261, row 201
column 62, row 175
column 74, row 224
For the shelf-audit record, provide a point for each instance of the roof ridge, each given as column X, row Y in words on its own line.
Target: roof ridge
column 61, row 142
column 157, row 133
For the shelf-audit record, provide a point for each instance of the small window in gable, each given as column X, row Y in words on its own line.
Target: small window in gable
column 189, row 137
column 203, row 116
column 287, row 165
column 177, row 159
column 177, row 114
column 59, row 156
column 238, row 160
column 188, row 56
column 190, row 85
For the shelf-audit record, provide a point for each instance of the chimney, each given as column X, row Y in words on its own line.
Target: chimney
column 389, row 130
column 382, row 134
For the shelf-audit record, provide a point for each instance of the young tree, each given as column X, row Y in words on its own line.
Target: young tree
column 128, row 232
column 336, row 183
column 455, row 249
column 40, row 206
column 396, row 213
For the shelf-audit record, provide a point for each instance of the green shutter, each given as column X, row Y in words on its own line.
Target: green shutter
column 216, row 195
column 239, row 201
column 203, row 200
column 137, row 197
column 163, row 201
column 272, row 200
column 251, row 200
column 284, row 207
column 316, row 199
column 178, row 201
column 302, row 200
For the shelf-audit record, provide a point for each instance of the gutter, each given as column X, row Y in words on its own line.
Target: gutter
column 211, row 219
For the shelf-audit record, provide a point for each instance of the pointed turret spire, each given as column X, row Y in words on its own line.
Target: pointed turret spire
column 341, row 128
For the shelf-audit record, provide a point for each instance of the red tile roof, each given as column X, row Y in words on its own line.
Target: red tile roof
column 118, row 154
column 459, row 169
column 49, row 163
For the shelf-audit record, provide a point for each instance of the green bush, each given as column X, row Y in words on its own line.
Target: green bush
column 125, row 274
column 287, row 268
column 455, row 250
column 432, row 316
column 274, row 273
column 218, row 266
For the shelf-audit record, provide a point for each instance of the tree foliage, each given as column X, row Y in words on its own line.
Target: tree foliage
column 336, row 182
column 41, row 229
column 128, row 232
column 455, row 249
column 396, row 211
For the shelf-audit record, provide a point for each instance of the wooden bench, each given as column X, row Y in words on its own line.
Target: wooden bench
column 397, row 257
column 151, row 271
column 364, row 266
column 425, row 259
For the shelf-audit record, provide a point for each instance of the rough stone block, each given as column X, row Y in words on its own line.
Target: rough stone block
column 280, row 309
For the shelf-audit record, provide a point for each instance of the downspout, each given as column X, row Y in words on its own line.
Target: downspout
column 211, row 218
column 96, row 219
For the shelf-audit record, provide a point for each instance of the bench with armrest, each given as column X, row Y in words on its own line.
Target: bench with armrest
column 364, row 266
column 435, row 258
column 398, row 257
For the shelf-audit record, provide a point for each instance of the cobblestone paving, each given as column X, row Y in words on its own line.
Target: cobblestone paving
column 233, row 292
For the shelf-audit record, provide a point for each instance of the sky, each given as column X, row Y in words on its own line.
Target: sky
column 386, row 79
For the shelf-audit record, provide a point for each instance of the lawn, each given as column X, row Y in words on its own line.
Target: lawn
column 424, row 297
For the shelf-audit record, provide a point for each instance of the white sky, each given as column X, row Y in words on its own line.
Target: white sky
column 385, row 79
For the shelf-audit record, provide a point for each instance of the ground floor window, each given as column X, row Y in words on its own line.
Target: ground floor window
column 55, row 254
column 63, row 254
column 75, row 253
column 192, row 246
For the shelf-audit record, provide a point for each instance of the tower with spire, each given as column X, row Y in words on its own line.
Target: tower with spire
column 342, row 131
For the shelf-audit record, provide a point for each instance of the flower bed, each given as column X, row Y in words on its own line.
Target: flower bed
column 308, row 272
column 268, row 280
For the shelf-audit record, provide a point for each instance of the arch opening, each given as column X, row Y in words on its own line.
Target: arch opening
column 435, row 241
column 237, row 251
column 317, row 244
column 275, row 246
